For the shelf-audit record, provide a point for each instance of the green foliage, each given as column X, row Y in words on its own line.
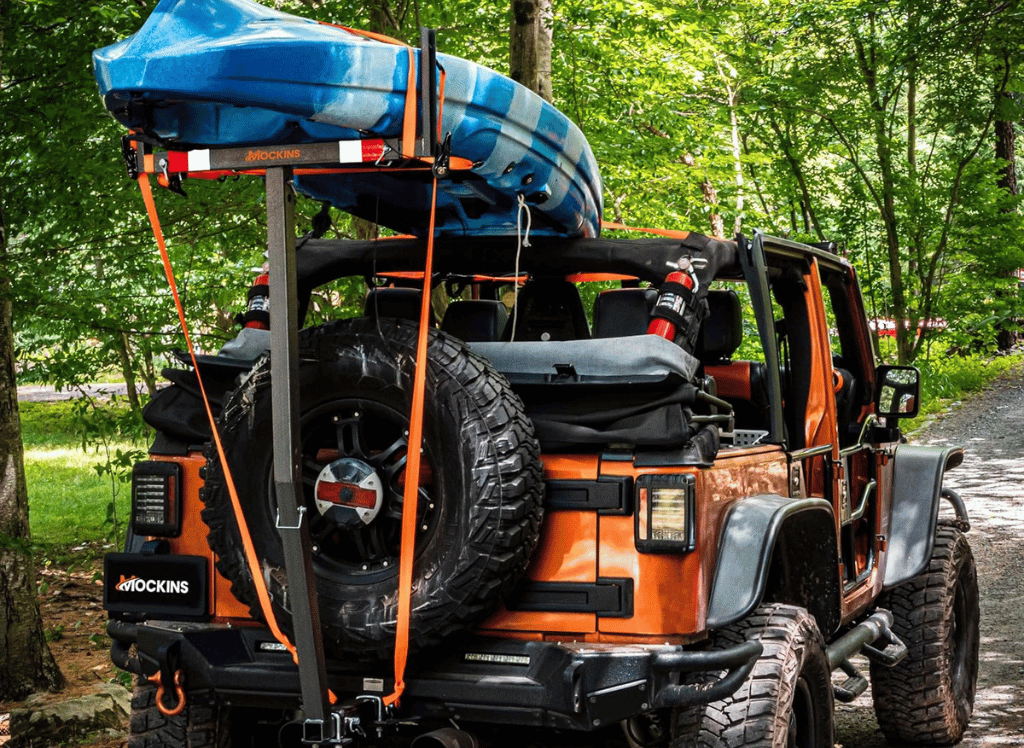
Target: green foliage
column 822, row 119
column 945, row 380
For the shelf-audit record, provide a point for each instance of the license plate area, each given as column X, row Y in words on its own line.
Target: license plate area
column 150, row 586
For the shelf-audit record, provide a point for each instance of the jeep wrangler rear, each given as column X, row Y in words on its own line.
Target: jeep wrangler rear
column 686, row 535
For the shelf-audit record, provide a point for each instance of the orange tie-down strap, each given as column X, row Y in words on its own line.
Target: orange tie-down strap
column 412, row 484
column 409, row 120
column 412, row 468
column 670, row 233
column 250, row 551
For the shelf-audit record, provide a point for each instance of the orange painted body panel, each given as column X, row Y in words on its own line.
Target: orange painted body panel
column 566, row 552
column 732, row 380
column 671, row 590
column 820, row 417
column 192, row 541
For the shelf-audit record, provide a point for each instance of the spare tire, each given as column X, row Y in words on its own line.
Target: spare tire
column 479, row 506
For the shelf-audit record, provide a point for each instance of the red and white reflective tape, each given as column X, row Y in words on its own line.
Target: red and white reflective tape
column 360, row 151
column 179, row 161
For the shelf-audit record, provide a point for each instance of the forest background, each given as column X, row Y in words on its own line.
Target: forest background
column 888, row 127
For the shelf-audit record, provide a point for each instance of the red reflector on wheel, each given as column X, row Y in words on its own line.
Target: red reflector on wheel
column 345, row 494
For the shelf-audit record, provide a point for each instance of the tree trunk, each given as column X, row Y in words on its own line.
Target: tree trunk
column 26, row 664
column 707, row 188
column 1006, row 150
column 124, row 357
column 530, row 45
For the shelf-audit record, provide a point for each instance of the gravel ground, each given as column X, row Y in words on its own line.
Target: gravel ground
column 990, row 427
column 35, row 393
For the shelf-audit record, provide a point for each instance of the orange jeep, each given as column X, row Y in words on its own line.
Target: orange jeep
column 686, row 532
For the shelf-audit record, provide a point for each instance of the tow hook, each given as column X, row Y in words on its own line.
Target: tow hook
column 179, row 691
column 169, row 677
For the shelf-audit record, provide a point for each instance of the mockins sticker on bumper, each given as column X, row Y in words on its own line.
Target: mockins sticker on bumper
column 168, row 585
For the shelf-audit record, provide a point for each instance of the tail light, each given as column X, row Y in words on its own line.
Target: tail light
column 156, row 499
column 664, row 521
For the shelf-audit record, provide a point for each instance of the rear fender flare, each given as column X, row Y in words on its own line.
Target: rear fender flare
column 782, row 548
column 916, row 491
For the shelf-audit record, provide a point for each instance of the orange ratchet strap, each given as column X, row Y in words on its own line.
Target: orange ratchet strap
column 412, row 483
column 670, row 233
column 250, row 552
column 409, row 120
column 410, row 496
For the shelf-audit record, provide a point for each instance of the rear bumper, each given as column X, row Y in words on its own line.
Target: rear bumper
column 545, row 684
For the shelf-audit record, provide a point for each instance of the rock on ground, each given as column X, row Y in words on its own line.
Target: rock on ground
column 43, row 721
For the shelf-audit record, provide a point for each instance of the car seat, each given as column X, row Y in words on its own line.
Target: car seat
column 548, row 309
column 743, row 383
column 475, row 320
column 403, row 303
column 623, row 311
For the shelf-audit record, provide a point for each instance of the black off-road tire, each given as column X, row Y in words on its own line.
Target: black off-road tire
column 479, row 507
column 787, row 700
column 928, row 697
column 198, row 726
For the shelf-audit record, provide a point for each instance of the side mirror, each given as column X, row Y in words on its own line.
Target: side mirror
column 898, row 391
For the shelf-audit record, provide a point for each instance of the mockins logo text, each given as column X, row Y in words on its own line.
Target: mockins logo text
column 272, row 155
column 157, row 586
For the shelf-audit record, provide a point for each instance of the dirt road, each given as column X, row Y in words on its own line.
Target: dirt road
column 991, row 481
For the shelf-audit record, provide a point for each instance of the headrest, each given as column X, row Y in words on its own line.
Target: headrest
column 403, row 303
column 549, row 309
column 475, row 320
column 619, row 312
column 723, row 329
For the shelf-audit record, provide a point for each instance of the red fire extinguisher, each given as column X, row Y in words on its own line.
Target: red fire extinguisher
column 257, row 315
column 674, row 297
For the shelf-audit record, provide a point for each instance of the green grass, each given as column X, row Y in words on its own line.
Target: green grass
column 69, row 501
column 947, row 380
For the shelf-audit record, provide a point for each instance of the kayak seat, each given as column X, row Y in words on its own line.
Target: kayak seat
column 620, row 312
column 744, row 384
column 401, row 303
column 548, row 309
column 475, row 320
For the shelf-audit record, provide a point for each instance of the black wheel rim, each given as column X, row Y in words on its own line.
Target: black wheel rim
column 803, row 718
column 376, row 434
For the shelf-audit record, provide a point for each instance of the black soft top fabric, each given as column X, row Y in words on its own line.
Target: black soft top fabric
column 319, row 261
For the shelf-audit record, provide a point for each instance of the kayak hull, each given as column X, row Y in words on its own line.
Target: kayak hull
column 217, row 73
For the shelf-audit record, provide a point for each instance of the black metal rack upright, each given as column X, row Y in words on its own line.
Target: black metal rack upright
column 321, row 723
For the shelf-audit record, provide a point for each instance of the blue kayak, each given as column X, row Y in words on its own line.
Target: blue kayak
column 220, row 73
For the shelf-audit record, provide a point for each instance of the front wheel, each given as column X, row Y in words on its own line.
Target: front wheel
column 787, row 700
column 928, row 697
